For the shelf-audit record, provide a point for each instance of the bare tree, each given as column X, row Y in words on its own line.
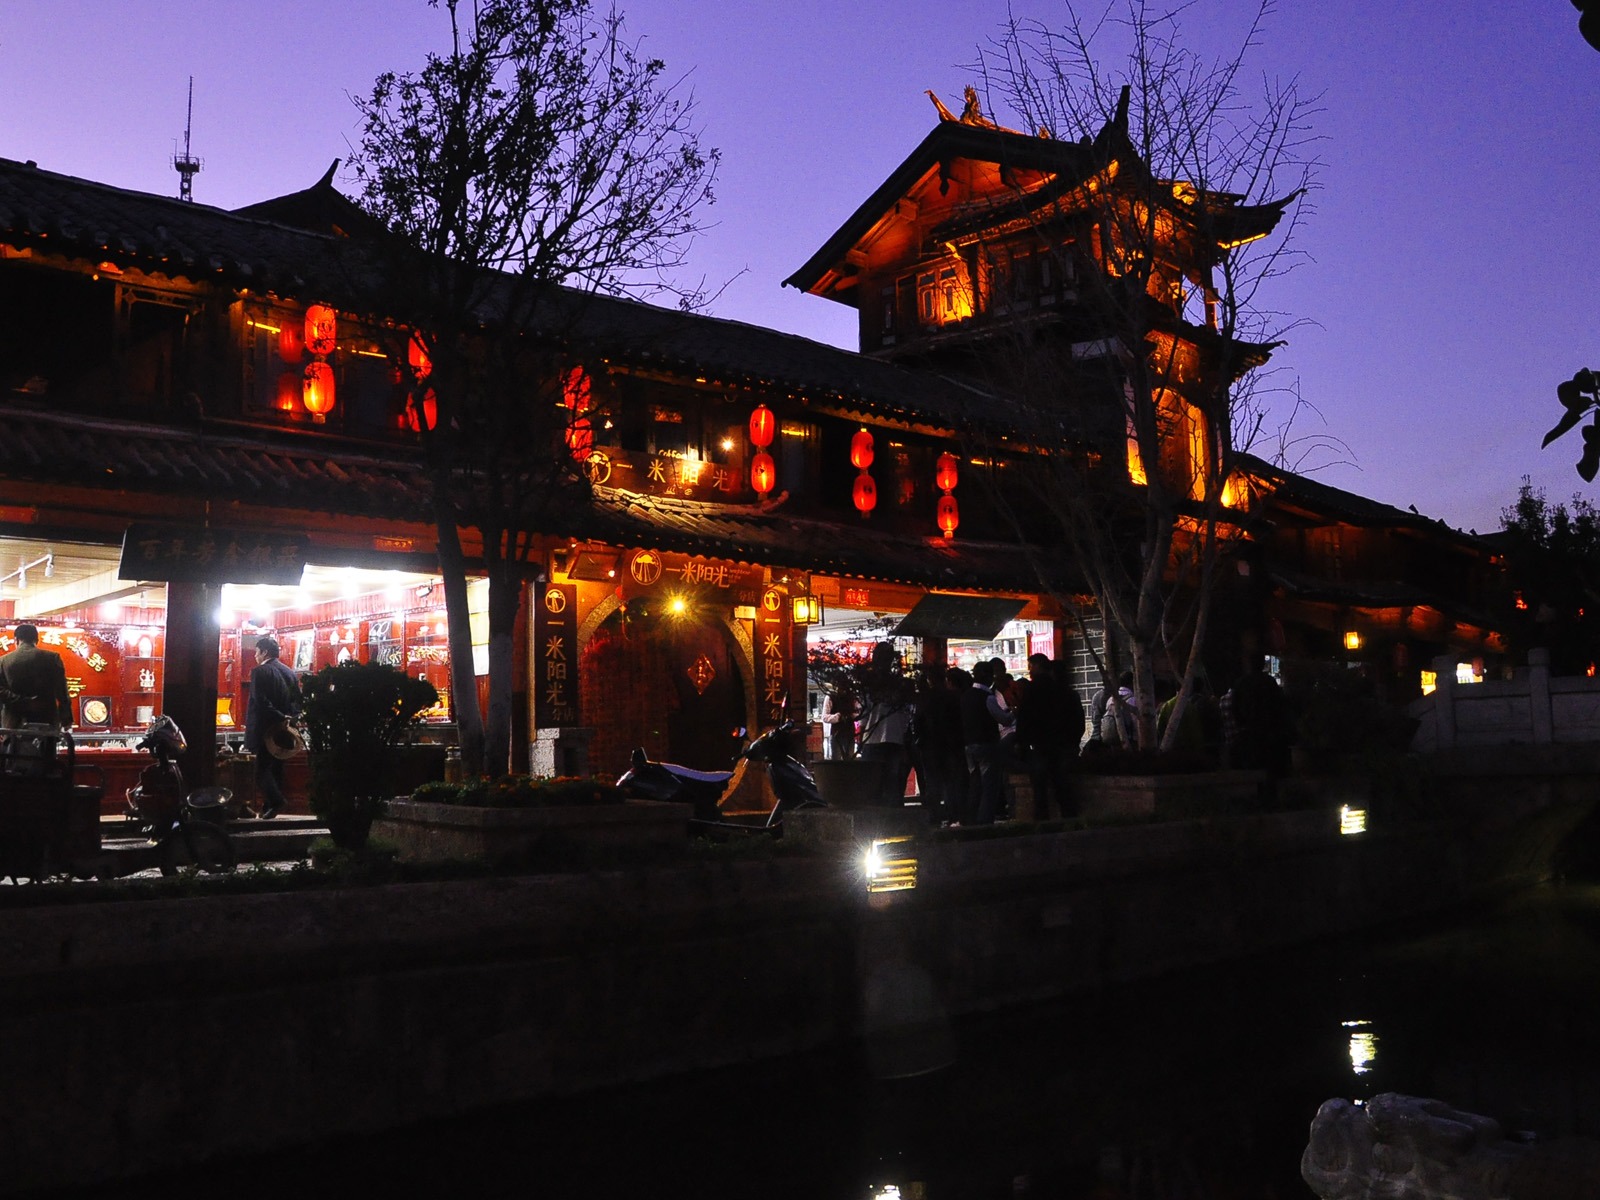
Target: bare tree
column 539, row 158
column 1174, row 201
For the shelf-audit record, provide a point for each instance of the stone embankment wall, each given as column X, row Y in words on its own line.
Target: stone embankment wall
column 139, row 1036
column 1533, row 708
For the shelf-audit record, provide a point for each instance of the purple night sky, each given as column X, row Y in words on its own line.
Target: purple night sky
column 1453, row 246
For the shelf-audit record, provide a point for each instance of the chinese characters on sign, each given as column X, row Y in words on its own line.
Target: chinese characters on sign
column 772, row 656
column 555, row 700
column 198, row 554
column 664, row 475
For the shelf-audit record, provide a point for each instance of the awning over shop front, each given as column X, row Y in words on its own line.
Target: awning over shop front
column 947, row 615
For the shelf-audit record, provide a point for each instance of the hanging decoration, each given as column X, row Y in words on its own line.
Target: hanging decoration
column 291, row 342
column 946, row 474
column 417, row 356
column 577, row 392
column 763, row 426
column 864, row 493
column 290, row 388
column 422, row 416
column 317, row 390
column 861, row 450
column 763, row 473
column 322, row 330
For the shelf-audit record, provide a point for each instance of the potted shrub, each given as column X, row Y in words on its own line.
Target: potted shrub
column 356, row 714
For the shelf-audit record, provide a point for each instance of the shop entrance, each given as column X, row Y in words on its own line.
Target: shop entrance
column 668, row 683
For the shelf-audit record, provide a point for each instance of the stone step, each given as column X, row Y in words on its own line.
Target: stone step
column 285, row 838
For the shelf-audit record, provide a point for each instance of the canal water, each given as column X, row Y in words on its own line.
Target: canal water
column 1197, row 1085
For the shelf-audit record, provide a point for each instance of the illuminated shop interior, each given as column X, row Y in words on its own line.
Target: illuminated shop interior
column 111, row 632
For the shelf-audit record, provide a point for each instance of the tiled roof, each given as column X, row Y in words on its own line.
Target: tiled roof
column 206, row 460
column 343, row 479
column 1326, row 501
column 94, row 222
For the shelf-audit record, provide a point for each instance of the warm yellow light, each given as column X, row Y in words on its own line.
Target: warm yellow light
column 885, row 868
column 1352, row 639
column 1136, row 463
column 1363, row 1047
column 1352, row 820
column 807, row 610
column 678, row 606
column 1430, row 682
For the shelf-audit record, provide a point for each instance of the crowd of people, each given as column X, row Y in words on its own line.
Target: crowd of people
column 964, row 733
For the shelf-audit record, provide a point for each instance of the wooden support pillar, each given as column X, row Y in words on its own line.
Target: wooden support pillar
column 189, row 692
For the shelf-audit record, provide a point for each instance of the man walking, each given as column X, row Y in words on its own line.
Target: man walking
column 33, row 685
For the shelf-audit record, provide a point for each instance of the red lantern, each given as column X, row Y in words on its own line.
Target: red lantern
column 763, row 425
column 864, row 494
column 861, row 450
column 946, row 474
column 322, row 329
column 949, row 515
column 763, row 473
column 580, row 439
column 430, row 413
column 289, row 391
column 316, row 390
column 417, row 356
column 291, row 345
column 577, row 390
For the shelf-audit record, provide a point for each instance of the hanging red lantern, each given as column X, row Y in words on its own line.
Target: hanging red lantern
column 861, row 450
column 947, row 473
column 580, row 439
column 577, row 390
column 291, row 343
column 322, row 329
column 864, row 494
column 429, row 410
column 417, row 356
column 316, row 390
column 949, row 515
column 289, row 391
column 763, row 425
column 763, row 473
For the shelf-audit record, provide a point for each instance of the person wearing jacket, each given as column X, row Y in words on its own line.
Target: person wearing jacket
column 274, row 699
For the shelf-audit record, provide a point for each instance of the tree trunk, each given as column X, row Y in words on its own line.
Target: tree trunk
column 463, row 680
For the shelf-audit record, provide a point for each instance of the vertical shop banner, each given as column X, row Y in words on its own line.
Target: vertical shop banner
column 555, row 631
column 772, row 656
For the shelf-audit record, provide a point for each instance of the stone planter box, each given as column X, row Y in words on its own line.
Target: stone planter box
column 427, row 832
column 1169, row 797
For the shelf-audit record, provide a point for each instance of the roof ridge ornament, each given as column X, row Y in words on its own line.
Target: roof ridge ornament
column 971, row 111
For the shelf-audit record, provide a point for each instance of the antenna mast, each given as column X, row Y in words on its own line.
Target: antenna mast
column 186, row 164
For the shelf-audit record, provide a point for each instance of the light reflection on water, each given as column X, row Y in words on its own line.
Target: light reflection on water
column 1197, row 1085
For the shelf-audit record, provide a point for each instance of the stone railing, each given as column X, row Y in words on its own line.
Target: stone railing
column 1532, row 708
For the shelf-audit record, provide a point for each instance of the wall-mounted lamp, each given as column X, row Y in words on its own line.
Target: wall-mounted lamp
column 1352, row 639
column 596, row 566
column 808, row 610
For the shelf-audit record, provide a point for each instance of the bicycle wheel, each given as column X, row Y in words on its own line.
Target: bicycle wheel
column 198, row 846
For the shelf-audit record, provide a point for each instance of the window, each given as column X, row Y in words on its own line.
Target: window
column 944, row 294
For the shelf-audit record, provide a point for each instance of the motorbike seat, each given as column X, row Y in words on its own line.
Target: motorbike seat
column 697, row 776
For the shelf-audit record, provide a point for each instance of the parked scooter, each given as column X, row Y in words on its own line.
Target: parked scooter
column 792, row 783
column 182, row 825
